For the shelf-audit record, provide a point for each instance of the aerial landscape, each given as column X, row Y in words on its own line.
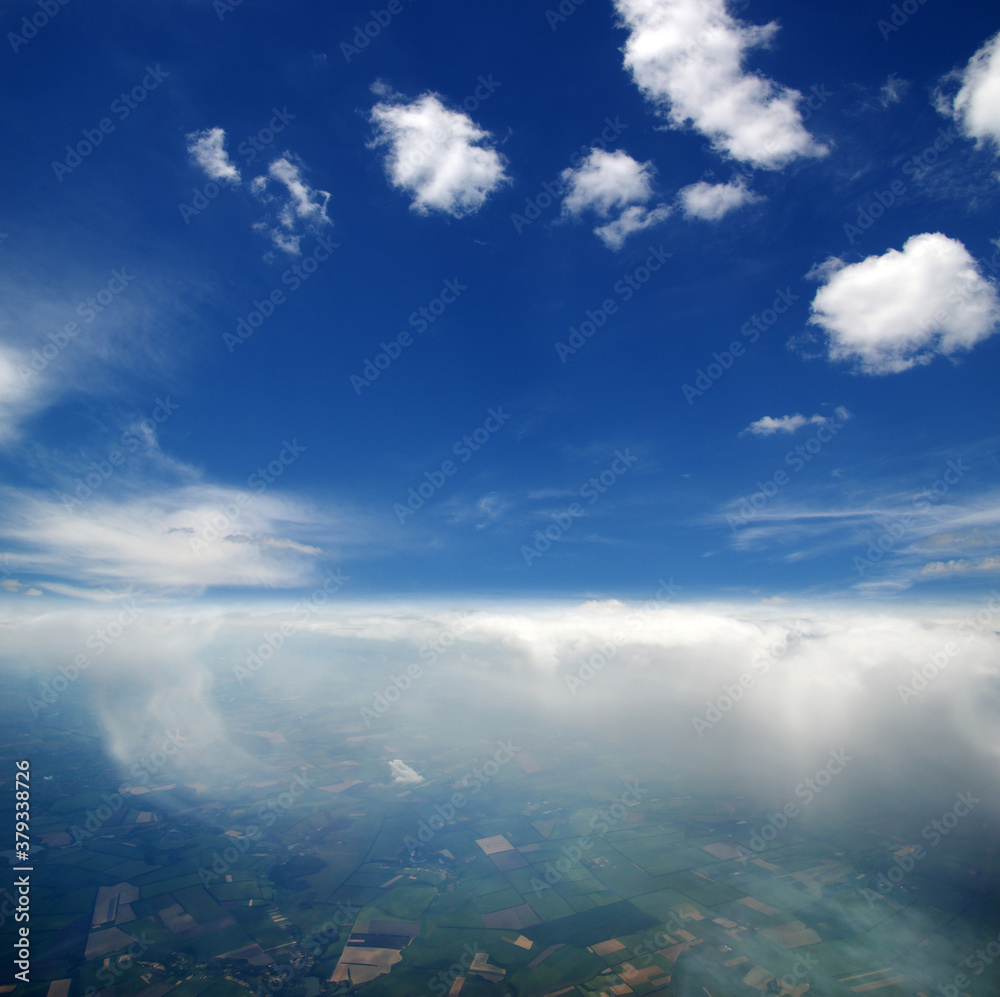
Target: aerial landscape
column 500, row 499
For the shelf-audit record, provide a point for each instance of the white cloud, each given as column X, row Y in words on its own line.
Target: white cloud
column 303, row 210
column 959, row 567
column 18, row 393
column 186, row 537
column 605, row 181
column 893, row 90
column 687, row 57
column 889, row 313
column 442, row 158
column 976, row 106
column 608, row 182
column 768, row 425
column 207, row 148
column 633, row 219
column 712, row 201
column 403, row 775
column 305, row 203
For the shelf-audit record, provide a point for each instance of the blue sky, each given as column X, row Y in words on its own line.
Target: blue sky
column 444, row 206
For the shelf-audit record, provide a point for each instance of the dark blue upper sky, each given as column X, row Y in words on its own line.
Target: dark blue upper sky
column 536, row 131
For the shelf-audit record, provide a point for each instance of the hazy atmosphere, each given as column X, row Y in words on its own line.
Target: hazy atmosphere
column 500, row 499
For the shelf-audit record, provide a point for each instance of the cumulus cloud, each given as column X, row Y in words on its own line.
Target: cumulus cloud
column 403, row 775
column 615, row 186
column 892, row 312
column 976, row 105
column 207, row 148
column 769, row 425
column 712, row 201
column 440, row 157
column 301, row 208
column 605, row 181
column 687, row 57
